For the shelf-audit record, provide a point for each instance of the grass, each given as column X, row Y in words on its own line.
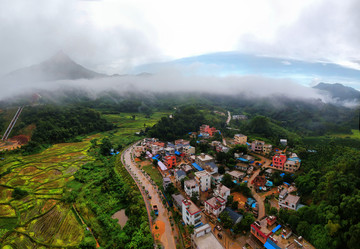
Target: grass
column 154, row 174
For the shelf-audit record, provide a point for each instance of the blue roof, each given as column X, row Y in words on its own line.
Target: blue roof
column 200, row 135
column 287, row 183
column 276, row 228
column 270, row 244
column 154, row 158
column 269, row 183
column 157, row 156
column 199, row 224
column 247, row 143
column 190, row 133
column 242, row 159
column 253, row 205
column 250, row 201
column 196, row 166
column 294, row 159
column 177, row 153
column 282, row 174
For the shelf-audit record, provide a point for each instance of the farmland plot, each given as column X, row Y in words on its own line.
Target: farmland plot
column 40, row 219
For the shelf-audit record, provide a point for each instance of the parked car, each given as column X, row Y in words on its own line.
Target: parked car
column 218, row 228
column 156, row 210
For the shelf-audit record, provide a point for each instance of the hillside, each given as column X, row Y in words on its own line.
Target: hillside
column 339, row 91
column 58, row 67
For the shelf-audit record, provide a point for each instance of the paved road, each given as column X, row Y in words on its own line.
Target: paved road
column 167, row 238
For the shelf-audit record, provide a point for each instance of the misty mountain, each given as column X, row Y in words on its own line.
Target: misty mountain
column 58, row 67
column 339, row 91
column 235, row 63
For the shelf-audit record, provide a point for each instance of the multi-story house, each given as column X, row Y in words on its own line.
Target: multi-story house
column 191, row 186
column 279, row 161
column 203, row 178
column 222, row 191
column 240, row 139
column 215, row 205
column 203, row 159
column 257, row 146
column 191, row 214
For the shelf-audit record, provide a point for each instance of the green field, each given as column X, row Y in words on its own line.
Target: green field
column 127, row 126
column 154, row 174
column 348, row 140
column 41, row 218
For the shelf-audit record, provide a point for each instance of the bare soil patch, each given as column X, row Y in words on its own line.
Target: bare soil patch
column 121, row 217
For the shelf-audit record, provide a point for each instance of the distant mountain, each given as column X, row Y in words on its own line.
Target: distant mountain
column 235, row 63
column 339, row 91
column 58, row 67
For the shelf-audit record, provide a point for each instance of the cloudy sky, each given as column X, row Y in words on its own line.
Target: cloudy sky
column 112, row 36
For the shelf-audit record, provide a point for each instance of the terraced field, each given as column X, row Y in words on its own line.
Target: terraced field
column 40, row 219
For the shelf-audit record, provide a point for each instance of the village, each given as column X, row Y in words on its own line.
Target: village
column 224, row 206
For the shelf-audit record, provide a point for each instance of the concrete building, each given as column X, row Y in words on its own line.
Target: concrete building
column 267, row 148
column 190, row 187
column 170, row 161
column 177, row 200
column 179, row 175
column 292, row 164
column 257, row 146
column 191, row 214
column 234, row 216
column 166, row 182
column 204, row 159
column 138, row 150
column 203, row 178
column 212, row 168
column 182, row 141
column 288, row 201
column 215, row 205
column 278, row 161
column 237, row 175
column 222, row 191
column 240, row 139
column 188, row 150
column 203, row 238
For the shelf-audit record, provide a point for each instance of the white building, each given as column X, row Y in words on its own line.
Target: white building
column 190, row 187
column 191, row 214
column 215, row 205
column 203, row 238
column 222, row 191
column 203, row 178
column 288, row 201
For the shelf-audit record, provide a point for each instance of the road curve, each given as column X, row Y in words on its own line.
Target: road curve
column 167, row 238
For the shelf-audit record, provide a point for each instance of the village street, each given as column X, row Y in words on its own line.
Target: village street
column 162, row 229
column 259, row 199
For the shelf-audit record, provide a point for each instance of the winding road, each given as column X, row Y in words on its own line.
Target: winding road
column 165, row 233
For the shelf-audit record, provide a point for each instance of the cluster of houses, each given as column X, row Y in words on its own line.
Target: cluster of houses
column 270, row 234
column 201, row 178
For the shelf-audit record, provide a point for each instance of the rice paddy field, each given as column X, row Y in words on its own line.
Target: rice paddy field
column 41, row 219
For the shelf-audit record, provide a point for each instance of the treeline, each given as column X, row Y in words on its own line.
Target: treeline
column 56, row 124
column 330, row 183
column 185, row 120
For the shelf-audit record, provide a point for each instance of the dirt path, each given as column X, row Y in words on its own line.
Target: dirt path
column 165, row 236
column 258, row 198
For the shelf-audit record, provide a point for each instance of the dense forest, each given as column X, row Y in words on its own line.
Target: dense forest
column 330, row 184
column 56, row 124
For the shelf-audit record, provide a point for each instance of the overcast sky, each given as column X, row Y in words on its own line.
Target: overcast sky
column 111, row 36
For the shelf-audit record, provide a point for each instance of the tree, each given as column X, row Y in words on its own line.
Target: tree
column 225, row 219
column 235, row 205
column 247, row 220
column 227, row 181
column 221, row 169
column 230, row 200
column 105, row 147
column 18, row 193
column 194, row 197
